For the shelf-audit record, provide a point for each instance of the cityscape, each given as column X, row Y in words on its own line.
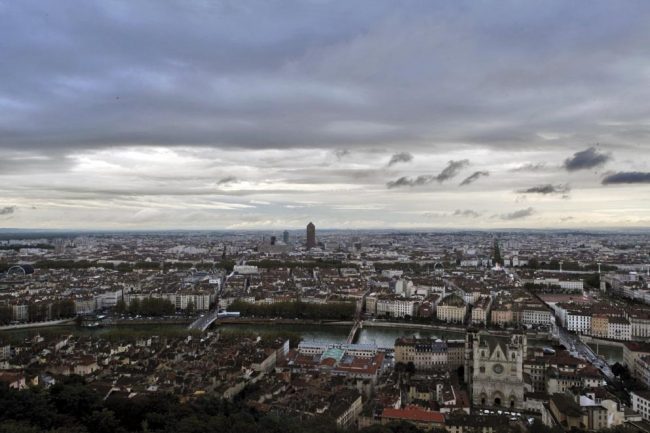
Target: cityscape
column 461, row 331
column 324, row 216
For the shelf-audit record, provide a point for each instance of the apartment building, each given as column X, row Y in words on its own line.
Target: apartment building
column 424, row 353
column 451, row 309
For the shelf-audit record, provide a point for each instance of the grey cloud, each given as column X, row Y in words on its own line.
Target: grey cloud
column 466, row 213
column 400, row 157
column 435, row 214
column 103, row 193
column 135, row 73
column 227, row 180
column 452, row 169
column 546, row 189
column 407, row 181
column 522, row 213
column 341, row 153
column 586, row 159
column 474, row 177
column 344, row 175
column 530, row 167
column 626, row 177
column 25, row 163
column 7, row 210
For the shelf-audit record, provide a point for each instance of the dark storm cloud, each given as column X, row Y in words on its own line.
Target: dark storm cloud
column 400, row 157
column 466, row 213
column 519, row 214
column 546, row 189
column 586, row 159
column 474, row 177
column 626, row 177
column 451, row 170
column 7, row 210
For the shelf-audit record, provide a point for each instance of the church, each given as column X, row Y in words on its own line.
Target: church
column 494, row 369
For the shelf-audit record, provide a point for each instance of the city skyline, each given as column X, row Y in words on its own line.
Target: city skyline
column 370, row 115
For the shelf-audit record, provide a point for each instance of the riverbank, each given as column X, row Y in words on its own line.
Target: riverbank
column 127, row 322
column 596, row 340
column 260, row 321
column 432, row 327
column 610, row 350
column 33, row 325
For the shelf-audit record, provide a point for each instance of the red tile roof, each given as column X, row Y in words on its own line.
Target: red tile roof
column 413, row 414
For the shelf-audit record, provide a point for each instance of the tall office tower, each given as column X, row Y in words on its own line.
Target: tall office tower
column 273, row 239
column 285, row 237
column 311, row 235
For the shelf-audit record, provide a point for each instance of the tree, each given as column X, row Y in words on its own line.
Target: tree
column 593, row 281
column 497, row 259
column 460, row 372
column 134, row 306
column 124, row 267
column 62, row 309
column 190, row 308
column 410, row 368
column 103, row 421
column 74, row 399
column 120, row 306
column 6, row 315
column 37, row 312
column 620, row 370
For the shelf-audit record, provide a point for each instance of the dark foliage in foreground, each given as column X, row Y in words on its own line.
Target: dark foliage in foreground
column 74, row 407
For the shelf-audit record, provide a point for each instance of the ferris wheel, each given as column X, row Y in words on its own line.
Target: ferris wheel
column 16, row 270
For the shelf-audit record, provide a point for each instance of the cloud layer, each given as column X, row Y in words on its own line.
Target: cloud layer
column 370, row 113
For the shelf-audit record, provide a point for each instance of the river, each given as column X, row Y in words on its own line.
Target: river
column 382, row 337
column 611, row 354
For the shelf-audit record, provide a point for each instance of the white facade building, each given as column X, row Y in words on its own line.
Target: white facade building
column 578, row 321
column 619, row 328
column 396, row 307
column 641, row 403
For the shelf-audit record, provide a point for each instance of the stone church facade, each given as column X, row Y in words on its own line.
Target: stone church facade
column 494, row 369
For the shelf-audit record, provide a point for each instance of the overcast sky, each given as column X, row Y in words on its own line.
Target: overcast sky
column 352, row 114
